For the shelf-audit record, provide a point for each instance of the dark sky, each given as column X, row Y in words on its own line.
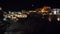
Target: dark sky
column 16, row 4
column 52, row 3
column 27, row 4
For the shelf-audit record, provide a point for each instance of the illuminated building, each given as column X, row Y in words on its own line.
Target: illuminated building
column 56, row 11
column 14, row 16
column 45, row 9
column 32, row 11
column 41, row 11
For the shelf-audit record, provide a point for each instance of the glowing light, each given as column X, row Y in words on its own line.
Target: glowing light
column 44, row 14
column 58, row 19
column 15, row 19
column 27, row 12
column 34, row 11
column 0, row 8
column 4, row 19
column 22, row 16
column 9, row 12
column 19, row 16
column 5, row 16
column 49, row 19
column 19, row 13
column 30, row 11
column 44, row 9
column 9, row 16
column 55, row 12
column 12, row 12
column 50, row 13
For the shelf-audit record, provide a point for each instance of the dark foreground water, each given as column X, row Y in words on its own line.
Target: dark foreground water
column 30, row 26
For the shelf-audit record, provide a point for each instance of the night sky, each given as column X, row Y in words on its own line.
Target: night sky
column 16, row 4
column 52, row 3
column 27, row 4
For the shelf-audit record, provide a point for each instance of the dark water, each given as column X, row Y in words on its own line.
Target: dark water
column 31, row 25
